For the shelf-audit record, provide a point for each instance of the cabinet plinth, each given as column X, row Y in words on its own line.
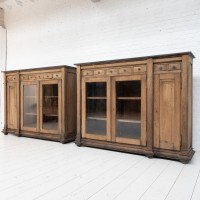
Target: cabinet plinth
column 138, row 105
column 40, row 103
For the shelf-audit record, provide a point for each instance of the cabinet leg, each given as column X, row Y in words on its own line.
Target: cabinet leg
column 149, row 156
column 78, row 143
column 184, row 161
column 63, row 141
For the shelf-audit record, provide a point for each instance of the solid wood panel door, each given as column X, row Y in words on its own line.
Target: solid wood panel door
column 96, row 108
column 129, row 109
column 167, row 106
column 50, row 106
column 29, row 106
column 12, row 111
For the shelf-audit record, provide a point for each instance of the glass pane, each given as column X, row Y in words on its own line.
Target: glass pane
column 96, row 89
column 30, row 106
column 128, row 88
column 128, row 111
column 96, row 108
column 50, row 107
column 96, row 116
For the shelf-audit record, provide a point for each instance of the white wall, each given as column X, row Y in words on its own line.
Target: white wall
column 54, row 32
column 2, row 68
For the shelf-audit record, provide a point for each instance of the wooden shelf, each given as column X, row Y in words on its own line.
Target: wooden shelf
column 129, row 121
column 128, row 98
column 96, row 97
column 97, row 118
column 51, row 115
column 51, row 96
column 30, row 96
column 30, row 113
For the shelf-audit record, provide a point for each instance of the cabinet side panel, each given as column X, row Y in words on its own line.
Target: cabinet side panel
column 78, row 97
column 71, row 104
column 12, row 105
column 5, row 102
column 190, row 94
column 184, row 103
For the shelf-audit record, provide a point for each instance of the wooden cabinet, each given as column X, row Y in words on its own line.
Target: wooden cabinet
column 138, row 105
column 40, row 103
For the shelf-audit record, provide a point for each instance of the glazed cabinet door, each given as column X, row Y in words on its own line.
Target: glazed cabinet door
column 96, row 108
column 12, row 107
column 167, row 111
column 129, row 109
column 50, row 106
column 29, row 106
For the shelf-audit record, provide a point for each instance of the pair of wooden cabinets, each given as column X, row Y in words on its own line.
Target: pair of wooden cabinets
column 41, row 103
column 139, row 105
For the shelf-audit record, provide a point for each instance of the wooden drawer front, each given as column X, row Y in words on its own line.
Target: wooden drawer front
column 11, row 78
column 111, row 72
column 57, row 75
column 32, row 77
column 125, row 71
column 99, row 72
column 163, row 67
column 39, row 76
column 48, row 75
column 139, row 69
column 175, row 66
column 24, row 77
column 87, row 73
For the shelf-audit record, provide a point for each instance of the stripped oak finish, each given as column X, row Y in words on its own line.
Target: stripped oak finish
column 165, row 115
column 41, row 103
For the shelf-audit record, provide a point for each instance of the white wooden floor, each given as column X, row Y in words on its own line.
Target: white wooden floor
column 43, row 170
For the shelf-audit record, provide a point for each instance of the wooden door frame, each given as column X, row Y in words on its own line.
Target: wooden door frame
column 107, row 137
column 142, row 140
column 50, row 82
column 23, row 83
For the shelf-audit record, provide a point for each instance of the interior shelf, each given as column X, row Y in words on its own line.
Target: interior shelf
column 97, row 118
column 96, row 97
column 129, row 98
column 30, row 113
column 30, row 96
column 129, row 121
column 51, row 115
column 51, row 96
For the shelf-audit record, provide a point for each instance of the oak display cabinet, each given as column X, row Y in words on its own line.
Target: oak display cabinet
column 41, row 103
column 138, row 105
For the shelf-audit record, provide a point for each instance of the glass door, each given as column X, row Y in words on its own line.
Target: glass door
column 29, row 106
column 129, row 106
column 50, row 102
column 96, row 108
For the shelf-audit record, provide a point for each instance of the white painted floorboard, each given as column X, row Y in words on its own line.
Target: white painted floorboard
column 43, row 170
